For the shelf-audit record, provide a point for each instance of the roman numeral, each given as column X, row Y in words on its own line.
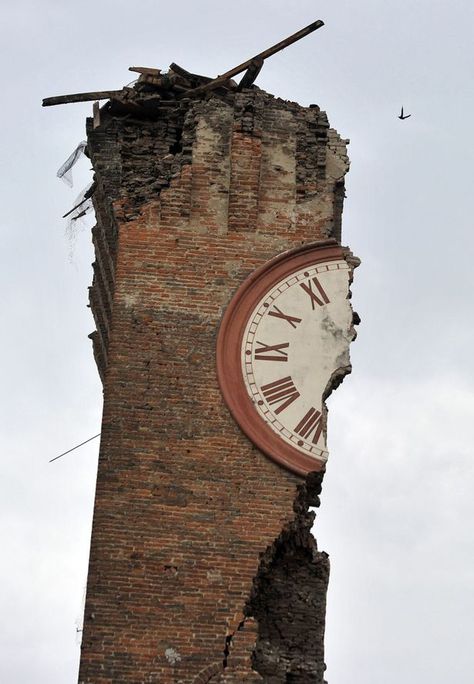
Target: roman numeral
column 312, row 422
column 264, row 352
column 280, row 391
column 292, row 320
column 308, row 288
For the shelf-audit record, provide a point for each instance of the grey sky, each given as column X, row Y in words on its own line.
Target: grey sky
column 397, row 507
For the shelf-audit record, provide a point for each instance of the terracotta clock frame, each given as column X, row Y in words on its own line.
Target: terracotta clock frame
column 229, row 349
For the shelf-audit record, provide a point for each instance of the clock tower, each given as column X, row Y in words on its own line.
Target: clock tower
column 223, row 322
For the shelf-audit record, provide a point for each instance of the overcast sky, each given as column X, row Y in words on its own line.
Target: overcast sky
column 397, row 505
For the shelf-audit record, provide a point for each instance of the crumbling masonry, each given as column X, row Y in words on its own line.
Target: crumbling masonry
column 203, row 567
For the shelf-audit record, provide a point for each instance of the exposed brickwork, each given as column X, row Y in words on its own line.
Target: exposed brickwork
column 194, row 530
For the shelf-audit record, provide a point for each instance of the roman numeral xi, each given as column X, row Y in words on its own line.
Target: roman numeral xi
column 271, row 352
column 282, row 392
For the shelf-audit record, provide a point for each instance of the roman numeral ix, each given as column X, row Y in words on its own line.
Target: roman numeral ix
column 308, row 288
column 272, row 352
column 278, row 313
column 311, row 423
column 281, row 392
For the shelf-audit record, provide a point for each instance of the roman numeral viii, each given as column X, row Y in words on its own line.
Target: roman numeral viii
column 311, row 424
column 308, row 288
column 281, row 392
column 278, row 313
column 271, row 352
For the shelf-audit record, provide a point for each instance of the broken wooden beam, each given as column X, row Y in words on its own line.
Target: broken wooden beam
column 156, row 81
column 278, row 47
column 251, row 74
column 87, row 195
column 147, row 71
column 187, row 74
column 220, row 80
column 82, row 97
column 96, row 114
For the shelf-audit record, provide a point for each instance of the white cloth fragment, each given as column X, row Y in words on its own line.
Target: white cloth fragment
column 65, row 171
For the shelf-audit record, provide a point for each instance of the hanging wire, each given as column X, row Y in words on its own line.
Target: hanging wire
column 73, row 448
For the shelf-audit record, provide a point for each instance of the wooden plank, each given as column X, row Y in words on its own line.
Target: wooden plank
column 180, row 71
column 87, row 194
column 187, row 74
column 152, row 80
column 148, row 71
column 96, row 114
column 82, row 97
column 251, row 73
column 220, row 80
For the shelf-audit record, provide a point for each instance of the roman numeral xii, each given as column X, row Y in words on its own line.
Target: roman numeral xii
column 320, row 297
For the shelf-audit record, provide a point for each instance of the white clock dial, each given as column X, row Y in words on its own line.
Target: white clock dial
column 296, row 338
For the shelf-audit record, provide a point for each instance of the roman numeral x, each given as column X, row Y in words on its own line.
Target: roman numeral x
column 278, row 313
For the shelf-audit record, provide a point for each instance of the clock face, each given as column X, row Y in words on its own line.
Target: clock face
column 283, row 340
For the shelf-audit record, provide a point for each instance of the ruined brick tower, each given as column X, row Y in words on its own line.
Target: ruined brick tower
column 202, row 567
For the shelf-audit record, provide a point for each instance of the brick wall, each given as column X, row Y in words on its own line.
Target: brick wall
column 202, row 566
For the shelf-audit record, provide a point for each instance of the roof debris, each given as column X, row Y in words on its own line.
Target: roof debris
column 155, row 89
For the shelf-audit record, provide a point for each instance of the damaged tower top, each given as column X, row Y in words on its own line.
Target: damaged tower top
column 221, row 297
column 155, row 88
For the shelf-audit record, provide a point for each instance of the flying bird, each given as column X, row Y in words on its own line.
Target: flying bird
column 402, row 116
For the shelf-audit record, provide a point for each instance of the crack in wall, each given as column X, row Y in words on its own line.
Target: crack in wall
column 229, row 642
